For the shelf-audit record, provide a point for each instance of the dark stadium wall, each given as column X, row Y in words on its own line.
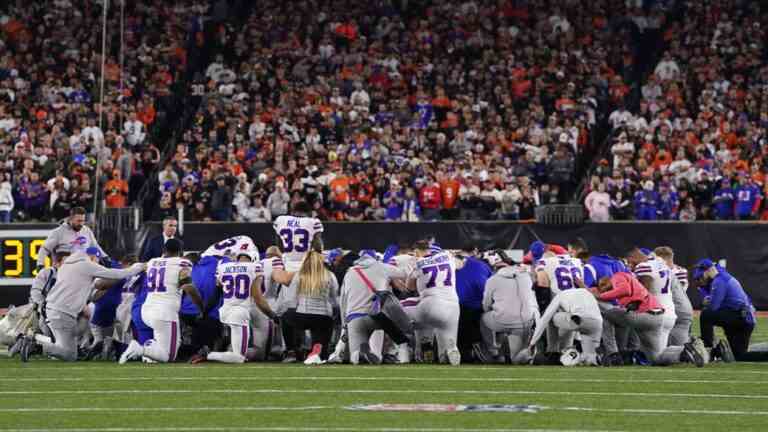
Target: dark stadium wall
column 743, row 246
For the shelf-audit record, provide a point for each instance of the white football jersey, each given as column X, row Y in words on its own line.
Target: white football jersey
column 236, row 279
column 562, row 271
column 661, row 277
column 270, row 288
column 436, row 276
column 163, row 289
column 682, row 277
column 234, row 245
column 405, row 262
column 296, row 234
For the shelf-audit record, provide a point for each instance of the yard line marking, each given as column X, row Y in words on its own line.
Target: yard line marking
column 660, row 411
column 142, row 409
column 300, row 429
column 374, row 391
column 391, row 378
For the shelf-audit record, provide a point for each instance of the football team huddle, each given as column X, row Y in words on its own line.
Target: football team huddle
column 297, row 302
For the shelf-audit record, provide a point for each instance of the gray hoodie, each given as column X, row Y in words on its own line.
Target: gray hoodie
column 509, row 296
column 64, row 238
column 356, row 297
column 75, row 278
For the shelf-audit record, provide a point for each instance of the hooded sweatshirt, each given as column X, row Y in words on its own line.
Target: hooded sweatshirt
column 509, row 297
column 75, row 278
column 6, row 197
column 356, row 296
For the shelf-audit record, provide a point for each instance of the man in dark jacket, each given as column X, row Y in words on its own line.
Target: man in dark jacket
column 153, row 248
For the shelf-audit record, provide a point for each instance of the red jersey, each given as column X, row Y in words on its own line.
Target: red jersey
column 430, row 197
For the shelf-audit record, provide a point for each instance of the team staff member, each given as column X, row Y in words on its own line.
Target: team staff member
column 725, row 305
column 510, row 308
column 153, row 248
column 639, row 311
column 471, row 276
column 67, row 299
column 367, row 275
column 71, row 236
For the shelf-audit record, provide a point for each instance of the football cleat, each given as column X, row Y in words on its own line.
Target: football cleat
column 290, row 357
column 366, row 356
column 26, row 349
column 314, row 356
column 134, row 350
column 691, row 355
column 698, row 345
column 454, row 356
column 724, row 351
column 479, row 353
column 16, row 347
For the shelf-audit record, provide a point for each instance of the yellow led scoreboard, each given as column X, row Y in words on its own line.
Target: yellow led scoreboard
column 19, row 249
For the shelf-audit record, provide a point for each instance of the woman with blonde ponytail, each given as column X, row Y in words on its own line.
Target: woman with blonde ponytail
column 311, row 298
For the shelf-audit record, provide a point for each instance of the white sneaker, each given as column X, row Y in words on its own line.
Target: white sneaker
column 133, row 351
column 454, row 357
column 336, row 358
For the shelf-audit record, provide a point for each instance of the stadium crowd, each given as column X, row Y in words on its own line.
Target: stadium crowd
column 50, row 131
column 401, row 110
column 388, row 110
column 696, row 147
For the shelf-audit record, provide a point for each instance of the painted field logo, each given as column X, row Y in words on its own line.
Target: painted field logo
column 447, row 408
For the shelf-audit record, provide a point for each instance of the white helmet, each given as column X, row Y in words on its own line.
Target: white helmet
column 570, row 357
column 252, row 254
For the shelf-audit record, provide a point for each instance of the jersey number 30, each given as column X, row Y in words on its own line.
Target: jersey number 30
column 238, row 286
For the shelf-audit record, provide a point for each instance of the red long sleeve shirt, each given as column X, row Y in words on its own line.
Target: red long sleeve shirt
column 627, row 289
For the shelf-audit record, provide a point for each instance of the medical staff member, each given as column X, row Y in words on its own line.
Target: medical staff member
column 725, row 305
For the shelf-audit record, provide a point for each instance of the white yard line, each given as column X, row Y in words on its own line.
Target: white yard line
column 374, row 391
column 388, row 379
column 149, row 409
column 661, row 411
column 298, row 429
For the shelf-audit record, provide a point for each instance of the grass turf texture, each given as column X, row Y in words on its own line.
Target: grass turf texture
column 48, row 395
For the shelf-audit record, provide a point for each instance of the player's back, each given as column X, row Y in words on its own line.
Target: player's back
column 436, row 276
column 232, row 245
column 296, row 234
column 236, row 279
column 562, row 271
column 579, row 302
column 162, row 283
column 661, row 279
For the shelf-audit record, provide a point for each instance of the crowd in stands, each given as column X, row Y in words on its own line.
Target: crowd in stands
column 50, row 70
column 696, row 147
column 388, row 110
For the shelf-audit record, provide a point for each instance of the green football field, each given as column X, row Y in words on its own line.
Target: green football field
column 46, row 395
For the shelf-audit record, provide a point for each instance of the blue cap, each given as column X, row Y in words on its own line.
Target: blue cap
column 646, row 251
column 94, row 251
column 537, row 250
column 701, row 267
column 333, row 254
